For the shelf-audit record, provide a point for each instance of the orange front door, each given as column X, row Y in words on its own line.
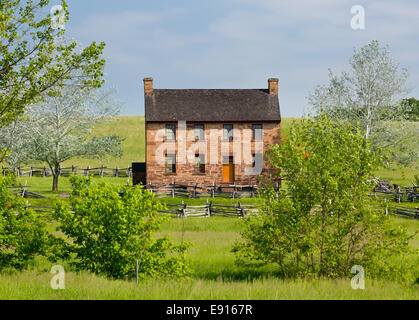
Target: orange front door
column 228, row 171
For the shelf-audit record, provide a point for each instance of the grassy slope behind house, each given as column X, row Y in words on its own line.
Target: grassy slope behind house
column 131, row 129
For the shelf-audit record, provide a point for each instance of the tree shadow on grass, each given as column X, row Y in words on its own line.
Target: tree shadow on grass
column 240, row 274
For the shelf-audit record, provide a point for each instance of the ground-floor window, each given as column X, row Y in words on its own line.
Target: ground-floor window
column 199, row 163
column 171, row 163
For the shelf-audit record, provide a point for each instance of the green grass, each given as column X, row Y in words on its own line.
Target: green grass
column 399, row 175
column 84, row 286
column 43, row 185
column 214, row 274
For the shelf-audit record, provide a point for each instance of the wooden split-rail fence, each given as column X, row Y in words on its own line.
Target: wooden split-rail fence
column 183, row 210
column 25, row 193
column 211, row 210
column 396, row 193
column 406, row 211
column 213, row 191
column 67, row 171
column 217, row 210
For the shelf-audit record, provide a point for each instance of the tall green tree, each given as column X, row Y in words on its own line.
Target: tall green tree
column 33, row 63
column 324, row 223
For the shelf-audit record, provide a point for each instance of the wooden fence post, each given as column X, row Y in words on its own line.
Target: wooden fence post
column 24, row 189
column 234, row 191
column 209, row 209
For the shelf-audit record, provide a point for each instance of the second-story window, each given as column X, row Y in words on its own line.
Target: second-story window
column 228, row 132
column 257, row 132
column 170, row 132
column 199, row 132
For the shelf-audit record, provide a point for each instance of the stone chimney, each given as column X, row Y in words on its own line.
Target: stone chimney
column 148, row 86
column 273, row 86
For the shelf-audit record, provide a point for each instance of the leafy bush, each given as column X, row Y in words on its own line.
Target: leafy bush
column 109, row 232
column 22, row 232
column 324, row 222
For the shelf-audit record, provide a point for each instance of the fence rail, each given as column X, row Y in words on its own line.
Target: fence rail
column 404, row 195
column 183, row 210
column 384, row 190
column 67, row 171
column 405, row 211
column 213, row 191
column 25, row 193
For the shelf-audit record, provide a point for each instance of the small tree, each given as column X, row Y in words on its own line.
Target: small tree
column 60, row 128
column 324, row 222
column 110, row 232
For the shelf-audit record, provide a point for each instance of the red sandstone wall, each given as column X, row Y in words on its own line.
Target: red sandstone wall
column 185, row 173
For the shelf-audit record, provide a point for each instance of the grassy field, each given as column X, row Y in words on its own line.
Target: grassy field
column 84, row 286
column 214, row 272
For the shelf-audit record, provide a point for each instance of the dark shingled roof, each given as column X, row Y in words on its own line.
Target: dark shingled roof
column 212, row 105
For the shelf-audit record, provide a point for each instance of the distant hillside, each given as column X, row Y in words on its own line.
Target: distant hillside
column 131, row 129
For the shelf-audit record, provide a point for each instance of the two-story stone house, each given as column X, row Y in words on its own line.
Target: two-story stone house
column 208, row 136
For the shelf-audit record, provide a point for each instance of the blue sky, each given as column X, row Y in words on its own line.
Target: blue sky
column 239, row 43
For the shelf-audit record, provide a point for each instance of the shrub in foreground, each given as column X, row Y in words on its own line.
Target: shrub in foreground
column 108, row 232
column 22, row 232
